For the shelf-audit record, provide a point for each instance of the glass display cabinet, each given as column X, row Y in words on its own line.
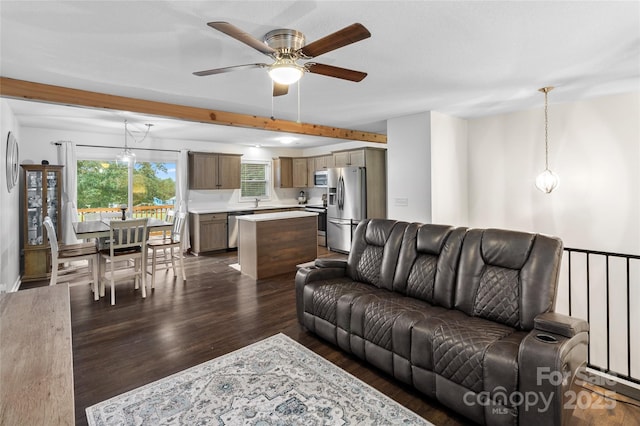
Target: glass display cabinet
column 42, row 196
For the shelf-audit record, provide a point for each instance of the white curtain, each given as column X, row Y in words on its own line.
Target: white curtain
column 67, row 158
column 182, row 193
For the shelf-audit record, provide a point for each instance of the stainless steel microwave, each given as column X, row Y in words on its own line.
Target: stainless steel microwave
column 321, row 179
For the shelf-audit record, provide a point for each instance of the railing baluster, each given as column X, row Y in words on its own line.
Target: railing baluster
column 569, row 281
column 588, row 307
column 629, row 376
column 608, row 340
column 628, row 318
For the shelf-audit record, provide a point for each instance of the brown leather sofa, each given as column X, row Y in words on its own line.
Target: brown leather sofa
column 463, row 315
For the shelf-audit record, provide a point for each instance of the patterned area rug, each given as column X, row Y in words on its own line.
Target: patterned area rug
column 275, row 381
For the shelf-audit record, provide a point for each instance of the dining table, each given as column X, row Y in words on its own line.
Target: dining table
column 100, row 228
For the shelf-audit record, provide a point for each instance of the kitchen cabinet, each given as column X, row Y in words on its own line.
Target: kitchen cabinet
column 311, row 171
column 272, row 244
column 208, row 232
column 324, row 162
column 42, row 195
column 214, row 171
column 283, row 172
column 299, row 172
column 350, row 158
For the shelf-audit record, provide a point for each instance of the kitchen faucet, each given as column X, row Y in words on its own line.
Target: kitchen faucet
column 256, row 202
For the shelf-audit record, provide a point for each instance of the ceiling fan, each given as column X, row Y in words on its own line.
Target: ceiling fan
column 286, row 47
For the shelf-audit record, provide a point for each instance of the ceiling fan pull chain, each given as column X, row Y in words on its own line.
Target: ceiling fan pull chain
column 272, row 115
column 298, row 101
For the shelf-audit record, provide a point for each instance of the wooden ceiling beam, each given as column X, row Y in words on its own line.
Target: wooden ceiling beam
column 20, row 89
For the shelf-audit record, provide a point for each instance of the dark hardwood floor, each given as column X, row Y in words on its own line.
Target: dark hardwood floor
column 216, row 311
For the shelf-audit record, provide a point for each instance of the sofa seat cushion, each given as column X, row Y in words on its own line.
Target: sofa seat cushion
column 321, row 297
column 459, row 350
column 477, row 354
column 385, row 319
column 380, row 329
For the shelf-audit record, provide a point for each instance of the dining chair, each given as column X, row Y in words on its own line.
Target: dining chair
column 65, row 253
column 169, row 217
column 127, row 242
column 162, row 250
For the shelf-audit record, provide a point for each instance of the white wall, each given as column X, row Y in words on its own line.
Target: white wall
column 595, row 150
column 9, row 206
column 409, row 168
column 449, row 164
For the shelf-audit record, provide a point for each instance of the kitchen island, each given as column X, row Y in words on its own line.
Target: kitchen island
column 274, row 243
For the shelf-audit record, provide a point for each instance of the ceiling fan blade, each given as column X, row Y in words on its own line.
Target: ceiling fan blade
column 228, row 69
column 238, row 34
column 351, row 34
column 337, row 72
column 280, row 89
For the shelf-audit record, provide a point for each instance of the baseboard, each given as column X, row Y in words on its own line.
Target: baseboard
column 16, row 285
column 615, row 384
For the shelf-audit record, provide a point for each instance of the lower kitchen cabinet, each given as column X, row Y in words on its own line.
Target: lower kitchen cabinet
column 208, row 232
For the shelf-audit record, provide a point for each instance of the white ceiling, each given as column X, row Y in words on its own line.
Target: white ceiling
column 466, row 59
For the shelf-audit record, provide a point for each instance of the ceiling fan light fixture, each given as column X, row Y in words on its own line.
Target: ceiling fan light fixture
column 285, row 72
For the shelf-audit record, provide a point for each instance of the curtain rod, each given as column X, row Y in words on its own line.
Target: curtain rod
column 119, row 147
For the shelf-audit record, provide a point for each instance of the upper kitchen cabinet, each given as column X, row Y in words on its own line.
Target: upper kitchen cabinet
column 283, row 172
column 291, row 172
column 300, row 173
column 324, row 162
column 214, row 171
column 356, row 157
column 311, row 171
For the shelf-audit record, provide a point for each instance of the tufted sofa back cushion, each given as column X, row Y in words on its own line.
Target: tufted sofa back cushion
column 507, row 276
column 428, row 261
column 374, row 251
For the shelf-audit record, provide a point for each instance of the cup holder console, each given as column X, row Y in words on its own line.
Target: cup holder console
column 546, row 338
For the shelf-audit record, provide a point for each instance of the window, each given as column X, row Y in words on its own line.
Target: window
column 254, row 180
column 104, row 184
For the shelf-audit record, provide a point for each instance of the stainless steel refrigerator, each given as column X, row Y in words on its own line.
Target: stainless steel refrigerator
column 346, row 205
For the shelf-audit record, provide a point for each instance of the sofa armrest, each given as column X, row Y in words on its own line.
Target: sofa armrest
column 550, row 360
column 331, row 263
column 308, row 275
column 563, row 325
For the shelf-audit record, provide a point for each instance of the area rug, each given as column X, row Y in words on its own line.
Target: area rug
column 275, row 381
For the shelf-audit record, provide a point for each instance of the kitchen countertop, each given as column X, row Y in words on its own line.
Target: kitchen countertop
column 262, row 217
column 243, row 208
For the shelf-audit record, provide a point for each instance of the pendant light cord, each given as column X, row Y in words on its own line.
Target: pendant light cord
column 127, row 132
column 546, row 130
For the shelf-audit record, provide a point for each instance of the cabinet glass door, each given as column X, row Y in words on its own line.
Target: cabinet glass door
column 35, row 192
column 52, row 197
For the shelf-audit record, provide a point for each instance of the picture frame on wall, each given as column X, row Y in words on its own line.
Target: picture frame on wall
column 13, row 160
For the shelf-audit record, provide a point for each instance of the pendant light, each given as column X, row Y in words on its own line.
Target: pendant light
column 546, row 181
column 127, row 156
